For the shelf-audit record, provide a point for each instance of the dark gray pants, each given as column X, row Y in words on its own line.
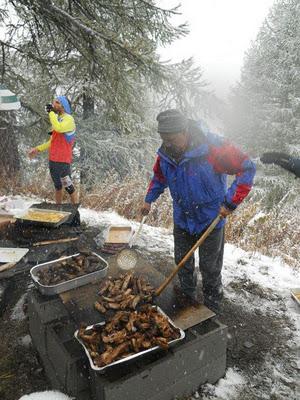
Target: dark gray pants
column 210, row 265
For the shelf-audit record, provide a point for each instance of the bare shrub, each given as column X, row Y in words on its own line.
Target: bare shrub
column 253, row 227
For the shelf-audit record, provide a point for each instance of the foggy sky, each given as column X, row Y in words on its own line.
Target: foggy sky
column 220, row 33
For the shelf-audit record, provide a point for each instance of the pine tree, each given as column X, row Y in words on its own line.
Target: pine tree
column 265, row 106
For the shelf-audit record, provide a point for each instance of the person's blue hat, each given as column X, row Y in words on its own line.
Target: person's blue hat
column 65, row 103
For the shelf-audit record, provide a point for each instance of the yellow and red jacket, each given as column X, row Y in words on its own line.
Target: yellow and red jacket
column 62, row 139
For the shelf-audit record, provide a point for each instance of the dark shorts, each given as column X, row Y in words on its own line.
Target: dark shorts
column 61, row 174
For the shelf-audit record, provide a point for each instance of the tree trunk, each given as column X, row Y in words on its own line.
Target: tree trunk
column 9, row 159
column 88, row 106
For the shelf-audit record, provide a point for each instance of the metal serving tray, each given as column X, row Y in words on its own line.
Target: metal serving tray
column 295, row 293
column 72, row 283
column 119, row 234
column 123, row 360
column 12, row 254
column 25, row 218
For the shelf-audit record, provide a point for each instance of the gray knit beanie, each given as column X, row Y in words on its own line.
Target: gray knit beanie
column 171, row 121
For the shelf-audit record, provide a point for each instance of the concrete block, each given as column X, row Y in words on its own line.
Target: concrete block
column 37, row 330
column 180, row 371
column 69, row 361
column 49, row 309
column 160, row 387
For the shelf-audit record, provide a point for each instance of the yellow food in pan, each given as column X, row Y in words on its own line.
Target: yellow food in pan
column 43, row 216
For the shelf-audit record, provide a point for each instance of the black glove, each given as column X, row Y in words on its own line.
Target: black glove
column 283, row 160
column 48, row 107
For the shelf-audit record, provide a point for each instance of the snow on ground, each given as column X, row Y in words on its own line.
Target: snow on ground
column 18, row 312
column 47, row 395
column 226, row 388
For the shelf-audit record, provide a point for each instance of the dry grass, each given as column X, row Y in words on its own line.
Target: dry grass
column 126, row 198
column 275, row 233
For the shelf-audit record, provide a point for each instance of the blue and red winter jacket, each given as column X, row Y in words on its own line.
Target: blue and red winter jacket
column 198, row 181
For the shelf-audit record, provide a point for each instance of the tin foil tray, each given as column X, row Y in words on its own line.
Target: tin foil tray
column 119, row 234
column 39, row 216
column 72, row 283
column 295, row 293
column 12, row 254
column 133, row 356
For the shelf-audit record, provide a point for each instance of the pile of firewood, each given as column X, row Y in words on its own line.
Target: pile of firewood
column 128, row 333
column 123, row 293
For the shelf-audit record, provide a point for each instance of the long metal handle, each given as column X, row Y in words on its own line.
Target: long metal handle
column 188, row 255
column 134, row 237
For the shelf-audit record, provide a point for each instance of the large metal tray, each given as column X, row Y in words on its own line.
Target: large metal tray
column 24, row 217
column 295, row 293
column 12, row 254
column 126, row 359
column 119, row 234
column 72, row 283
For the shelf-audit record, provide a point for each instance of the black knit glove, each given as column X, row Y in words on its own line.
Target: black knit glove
column 285, row 161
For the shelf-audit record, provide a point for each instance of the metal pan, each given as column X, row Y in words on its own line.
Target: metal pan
column 119, row 234
column 72, row 283
column 134, row 356
column 25, row 217
column 12, row 254
column 295, row 293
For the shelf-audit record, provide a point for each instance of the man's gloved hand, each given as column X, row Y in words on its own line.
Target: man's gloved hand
column 285, row 161
column 146, row 207
column 224, row 211
column 48, row 107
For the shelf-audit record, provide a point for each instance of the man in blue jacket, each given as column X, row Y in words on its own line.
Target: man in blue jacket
column 193, row 163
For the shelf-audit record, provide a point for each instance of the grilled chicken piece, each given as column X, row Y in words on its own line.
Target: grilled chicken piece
column 121, row 349
column 135, row 301
column 126, row 281
column 161, row 342
column 115, row 337
column 100, row 307
column 104, row 358
column 111, row 355
column 104, row 286
column 113, row 306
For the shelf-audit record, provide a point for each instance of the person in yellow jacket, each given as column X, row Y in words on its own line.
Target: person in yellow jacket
column 60, row 147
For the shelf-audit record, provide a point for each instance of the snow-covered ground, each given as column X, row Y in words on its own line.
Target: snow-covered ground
column 47, row 395
column 254, row 284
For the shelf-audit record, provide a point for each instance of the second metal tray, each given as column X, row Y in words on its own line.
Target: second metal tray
column 141, row 353
column 72, row 283
column 25, row 217
column 295, row 293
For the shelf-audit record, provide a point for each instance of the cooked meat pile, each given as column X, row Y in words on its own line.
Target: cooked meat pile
column 74, row 267
column 123, row 293
column 128, row 333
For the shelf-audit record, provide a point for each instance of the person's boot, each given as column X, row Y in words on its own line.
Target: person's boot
column 185, row 299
